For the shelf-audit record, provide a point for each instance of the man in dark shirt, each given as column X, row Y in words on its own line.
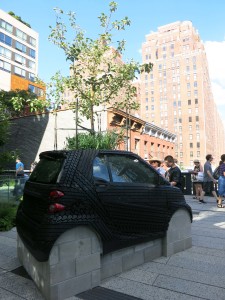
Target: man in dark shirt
column 173, row 174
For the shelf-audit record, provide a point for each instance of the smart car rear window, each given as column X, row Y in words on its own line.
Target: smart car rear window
column 47, row 170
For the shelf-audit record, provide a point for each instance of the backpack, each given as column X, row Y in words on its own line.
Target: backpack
column 216, row 173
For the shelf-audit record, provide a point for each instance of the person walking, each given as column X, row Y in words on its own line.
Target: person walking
column 221, row 181
column 208, row 180
column 173, row 174
column 197, row 180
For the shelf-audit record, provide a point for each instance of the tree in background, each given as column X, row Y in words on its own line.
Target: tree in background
column 98, row 75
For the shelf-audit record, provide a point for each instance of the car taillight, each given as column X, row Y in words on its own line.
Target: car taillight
column 54, row 197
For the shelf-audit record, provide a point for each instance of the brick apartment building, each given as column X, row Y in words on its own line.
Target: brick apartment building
column 177, row 94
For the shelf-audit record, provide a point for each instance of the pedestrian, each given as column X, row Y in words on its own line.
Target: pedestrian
column 156, row 164
column 208, row 180
column 197, row 179
column 173, row 174
column 221, row 181
column 19, row 168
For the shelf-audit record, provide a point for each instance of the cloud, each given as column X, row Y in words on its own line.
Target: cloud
column 215, row 52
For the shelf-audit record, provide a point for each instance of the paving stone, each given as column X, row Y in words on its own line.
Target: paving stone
column 204, row 291
column 144, row 291
column 20, row 286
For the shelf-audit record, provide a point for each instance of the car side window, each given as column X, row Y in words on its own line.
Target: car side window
column 130, row 169
column 100, row 170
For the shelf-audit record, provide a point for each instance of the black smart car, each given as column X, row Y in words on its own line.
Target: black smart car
column 117, row 193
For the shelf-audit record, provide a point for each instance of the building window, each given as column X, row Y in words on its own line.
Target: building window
column 198, row 144
column 32, row 53
column 32, row 77
column 152, row 107
column 189, row 102
column 136, row 144
column 191, row 145
column 189, row 119
column 20, row 72
column 197, row 136
column 32, row 41
column 5, row 39
column 5, row 66
column 188, row 86
column 146, row 107
column 8, row 27
column 20, row 59
column 195, row 84
column 190, row 127
column 21, row 47
column 5, row 52
column 146, row 100
column 191, row 153
column 20, row 34
column 189, row 111
column 181, row 154
column 196, row 101
column 31, row 88
column 190, row 137
column 198, row 153
column 197, row 118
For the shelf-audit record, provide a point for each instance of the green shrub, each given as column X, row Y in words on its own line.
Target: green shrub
column 7, row 216
column 99, row 140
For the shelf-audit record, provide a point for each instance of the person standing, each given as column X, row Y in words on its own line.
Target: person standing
column 19, row 168
column 156, row 164
column 198, row 169
column 208, row 180
column 221, row 181
column 173, row 174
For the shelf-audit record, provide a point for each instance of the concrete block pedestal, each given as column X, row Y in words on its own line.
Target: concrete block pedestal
column 76, row 263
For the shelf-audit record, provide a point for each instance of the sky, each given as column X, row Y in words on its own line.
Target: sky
column 145, row 15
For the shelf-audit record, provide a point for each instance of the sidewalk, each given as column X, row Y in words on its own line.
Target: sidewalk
column 197, row 273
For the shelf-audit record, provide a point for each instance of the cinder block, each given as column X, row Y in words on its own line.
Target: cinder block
column 143, row 246
column 112, row 268
column 132, row 260
column 153, row 252
column 73, row 249
column 54, row 255
column 122, row 252
column 96, row 278
column 96, row 245
column 89, row 263
column 62, row 271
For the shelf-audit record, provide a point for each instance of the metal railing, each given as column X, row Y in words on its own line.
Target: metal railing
column 11, row 187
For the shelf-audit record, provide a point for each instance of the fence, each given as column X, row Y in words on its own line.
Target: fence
column 11, row 188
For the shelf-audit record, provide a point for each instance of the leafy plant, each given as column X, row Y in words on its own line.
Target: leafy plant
column 7, row 216
column 100, row 140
